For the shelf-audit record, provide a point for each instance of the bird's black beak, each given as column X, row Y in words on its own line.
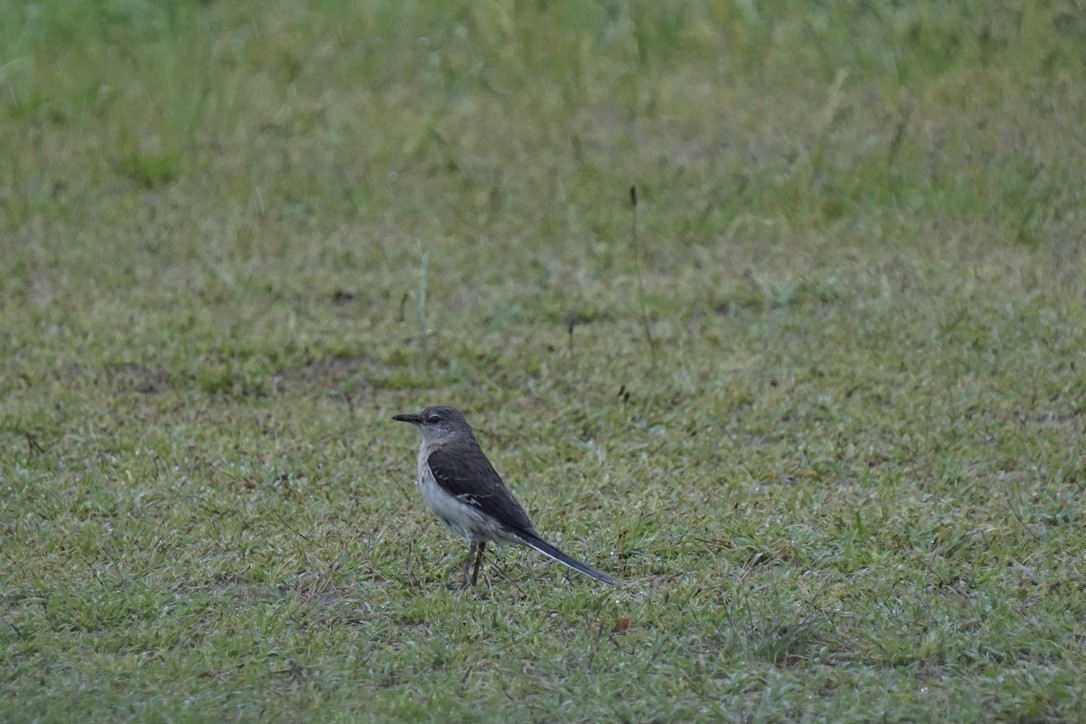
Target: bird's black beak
column 408, row 417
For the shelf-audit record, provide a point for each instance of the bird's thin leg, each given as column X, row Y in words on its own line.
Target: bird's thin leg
column 478, row 562
column 472, row 546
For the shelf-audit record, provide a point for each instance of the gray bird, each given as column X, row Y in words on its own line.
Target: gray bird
column 465, row 492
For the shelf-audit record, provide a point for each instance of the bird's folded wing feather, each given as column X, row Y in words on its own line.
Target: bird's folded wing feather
column 474, row 481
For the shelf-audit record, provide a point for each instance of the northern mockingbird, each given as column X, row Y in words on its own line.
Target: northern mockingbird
column 465, row 492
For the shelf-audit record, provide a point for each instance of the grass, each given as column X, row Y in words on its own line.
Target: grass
column 846, row 482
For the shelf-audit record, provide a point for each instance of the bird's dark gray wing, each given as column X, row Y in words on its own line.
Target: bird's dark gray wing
column 474, row 481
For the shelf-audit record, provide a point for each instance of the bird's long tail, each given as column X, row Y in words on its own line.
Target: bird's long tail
column 534, row 541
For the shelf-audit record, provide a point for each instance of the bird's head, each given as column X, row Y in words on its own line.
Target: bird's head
column 437, row 423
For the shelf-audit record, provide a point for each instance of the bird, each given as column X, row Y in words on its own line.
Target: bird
column 460, row 486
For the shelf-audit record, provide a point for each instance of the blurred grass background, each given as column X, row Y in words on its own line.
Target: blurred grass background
column 824, row 414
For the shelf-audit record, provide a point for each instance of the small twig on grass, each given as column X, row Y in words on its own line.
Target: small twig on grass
column 412, row 579
column 350, row 405
column 246, row 480
column 638, row 252
column 899, row 134
column 33, row 444
column 820, row 144
column 290, row 527
column 1018, row 517
column 424, row 330
column 498, row 567
column 595, row 645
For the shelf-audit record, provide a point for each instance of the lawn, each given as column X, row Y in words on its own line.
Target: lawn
column 818, row 399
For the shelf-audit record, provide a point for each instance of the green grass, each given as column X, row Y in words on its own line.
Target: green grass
column 846, row 481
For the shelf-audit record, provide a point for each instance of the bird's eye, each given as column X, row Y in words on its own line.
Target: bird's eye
column 434, row 418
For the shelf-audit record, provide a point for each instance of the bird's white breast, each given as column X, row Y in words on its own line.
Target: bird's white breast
column 457, row 516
